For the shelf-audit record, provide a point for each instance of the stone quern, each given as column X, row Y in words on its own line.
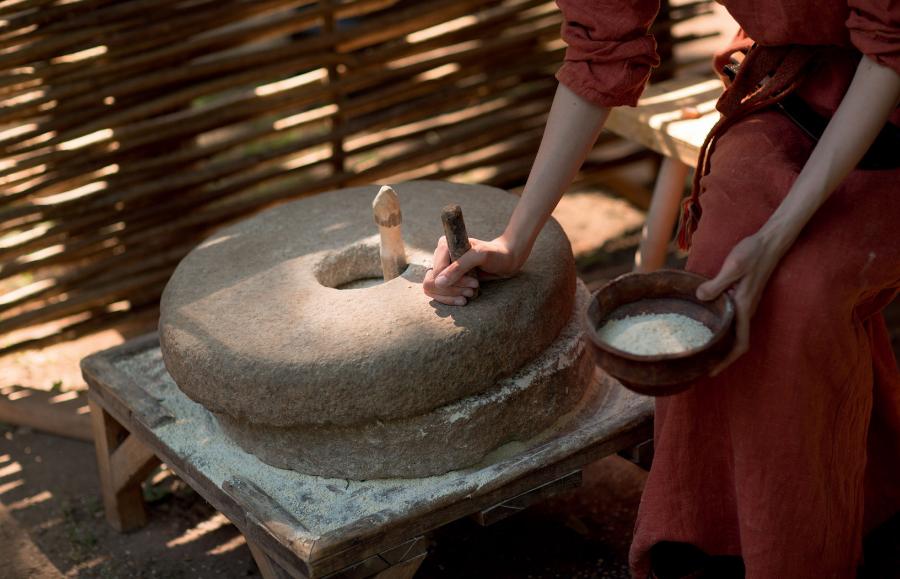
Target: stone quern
column 279, row 326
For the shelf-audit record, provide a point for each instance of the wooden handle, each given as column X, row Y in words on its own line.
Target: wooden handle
column 386, row 209
column 455, row 231
column 457, row 237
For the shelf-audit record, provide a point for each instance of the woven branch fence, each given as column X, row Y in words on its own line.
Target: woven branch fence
column 132, row 128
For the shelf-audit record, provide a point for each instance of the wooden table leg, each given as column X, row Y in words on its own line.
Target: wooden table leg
column 268, row 568
column 640, row 454
column 662, row 215
column 123, row 463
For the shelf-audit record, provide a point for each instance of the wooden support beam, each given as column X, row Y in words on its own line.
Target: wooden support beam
column 131, row 463
column 64, row 414
column 124, row 506
column 518, row 503
column 640, row 454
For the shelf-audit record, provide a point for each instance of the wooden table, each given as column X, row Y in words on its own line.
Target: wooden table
column 305, row 526
column 673, row 118
column 658, row 121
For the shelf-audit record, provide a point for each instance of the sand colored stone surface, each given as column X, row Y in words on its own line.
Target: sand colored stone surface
column 451, row 437
column 253, row 328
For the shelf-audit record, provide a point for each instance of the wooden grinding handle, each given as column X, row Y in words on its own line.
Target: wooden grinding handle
column 386, row 210
column 457, row 237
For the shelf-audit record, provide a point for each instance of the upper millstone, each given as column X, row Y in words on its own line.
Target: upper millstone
column 252, row 324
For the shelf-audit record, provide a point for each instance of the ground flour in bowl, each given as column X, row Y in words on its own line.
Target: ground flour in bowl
column 654, row 334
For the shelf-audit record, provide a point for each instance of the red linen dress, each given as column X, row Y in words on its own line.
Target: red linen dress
column 793, row 452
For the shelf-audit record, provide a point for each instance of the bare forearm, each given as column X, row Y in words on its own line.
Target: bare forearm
column 572, row 128
column 869, row 102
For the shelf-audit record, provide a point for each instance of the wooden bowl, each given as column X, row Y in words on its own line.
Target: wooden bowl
column 664, row 291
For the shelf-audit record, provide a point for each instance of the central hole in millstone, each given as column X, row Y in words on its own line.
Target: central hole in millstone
column 361, row 283
column 354, row 267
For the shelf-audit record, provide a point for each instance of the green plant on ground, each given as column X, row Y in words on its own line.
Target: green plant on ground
column 78, row 521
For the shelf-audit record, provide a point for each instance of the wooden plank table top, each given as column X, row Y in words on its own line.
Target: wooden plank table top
column 313, row 526
column 658, row 122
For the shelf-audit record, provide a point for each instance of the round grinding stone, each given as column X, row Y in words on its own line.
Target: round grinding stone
column 450, row 437
column 254, row 325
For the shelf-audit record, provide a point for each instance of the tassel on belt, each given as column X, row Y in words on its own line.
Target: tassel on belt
column 767, row 75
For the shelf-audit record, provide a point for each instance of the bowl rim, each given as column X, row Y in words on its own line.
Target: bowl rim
column 718, row 335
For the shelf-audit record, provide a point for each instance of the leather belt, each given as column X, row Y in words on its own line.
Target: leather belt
column 882, row 155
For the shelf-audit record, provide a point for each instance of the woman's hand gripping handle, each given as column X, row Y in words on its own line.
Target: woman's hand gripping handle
column 572, row 128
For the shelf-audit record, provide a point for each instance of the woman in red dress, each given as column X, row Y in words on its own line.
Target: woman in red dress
column 791, row 451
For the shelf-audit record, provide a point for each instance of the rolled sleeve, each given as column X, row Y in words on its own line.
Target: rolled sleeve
column 609, row 50
column 874, row 27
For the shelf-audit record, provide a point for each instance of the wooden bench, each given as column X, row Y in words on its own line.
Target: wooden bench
column 305, row 526
column 673, row 118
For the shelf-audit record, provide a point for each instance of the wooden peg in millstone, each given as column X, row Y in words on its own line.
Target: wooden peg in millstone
column 457, row 237
column 386, row 208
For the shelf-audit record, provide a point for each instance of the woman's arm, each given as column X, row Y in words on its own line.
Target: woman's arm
column 572, row 128
column 871, row 98
column 606, row 64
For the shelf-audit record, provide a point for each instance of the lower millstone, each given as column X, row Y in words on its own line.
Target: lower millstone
column 451, row 437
